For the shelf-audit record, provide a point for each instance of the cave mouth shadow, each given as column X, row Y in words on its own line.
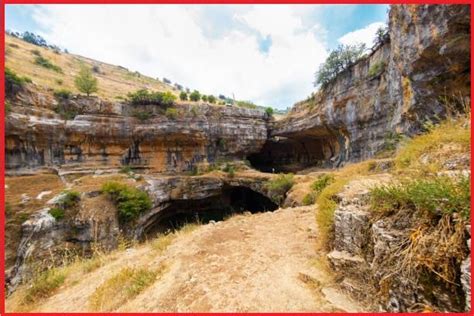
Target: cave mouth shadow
column 232, row 200
column 281, row 154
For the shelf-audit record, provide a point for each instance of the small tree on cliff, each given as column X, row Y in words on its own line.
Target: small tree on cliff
column 183, row 96
column 85, row 81
column 195, row 96
column 338, row 60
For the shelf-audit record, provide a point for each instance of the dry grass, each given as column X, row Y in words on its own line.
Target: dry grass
column 162, row 242
column 113, row 81
column 125, row 285
column 451, row 137
column 327, row 201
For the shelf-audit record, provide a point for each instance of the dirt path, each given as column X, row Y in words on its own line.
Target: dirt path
column 248, row 263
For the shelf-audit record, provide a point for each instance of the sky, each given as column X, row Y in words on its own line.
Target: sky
column 266, row 54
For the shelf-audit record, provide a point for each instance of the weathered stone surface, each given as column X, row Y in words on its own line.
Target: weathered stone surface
column 466, row 281
column 160, row 144
column 426, row 59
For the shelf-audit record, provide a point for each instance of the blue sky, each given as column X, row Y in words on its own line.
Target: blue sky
column 265, row 54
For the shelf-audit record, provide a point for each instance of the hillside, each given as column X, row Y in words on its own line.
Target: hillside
column 114, row 81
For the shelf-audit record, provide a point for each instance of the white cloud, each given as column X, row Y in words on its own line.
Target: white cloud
column 365, row 35
column 170, row 41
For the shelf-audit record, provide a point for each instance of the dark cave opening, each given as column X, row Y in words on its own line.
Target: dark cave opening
column 232, row 200
column 281, row 154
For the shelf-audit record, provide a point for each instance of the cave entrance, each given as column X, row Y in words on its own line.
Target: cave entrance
column 281, row 154
column 232, row 200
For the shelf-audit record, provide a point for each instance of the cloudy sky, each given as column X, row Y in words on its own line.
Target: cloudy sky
column 266, row 54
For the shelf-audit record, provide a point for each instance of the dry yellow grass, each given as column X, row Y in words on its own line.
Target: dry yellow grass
column 125, row 285
column 113, row 81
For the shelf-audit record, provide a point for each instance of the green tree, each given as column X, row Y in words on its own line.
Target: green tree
column 338, row 60
column 381, row 35
column 211, row 99
column 269, row 111
column 183, row 96
column 204, row 98
column 85, row 81
column 195, row 96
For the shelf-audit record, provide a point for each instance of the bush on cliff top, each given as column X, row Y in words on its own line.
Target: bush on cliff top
column 130, row 201
column 279, row 186
column 145, row 97
column 432, row 196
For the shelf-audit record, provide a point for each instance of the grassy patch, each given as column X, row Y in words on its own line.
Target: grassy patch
column 171, row 113
column 323, row 181
column 57, row 213
column 141, row 115
column 433, row 196
column 162, row 242
column 125, row 285
column 376, row 69
column 44, row 286
column 46, row 63
column 130, row 201
column 451, row 137
column 327, row 204
column 279, row 186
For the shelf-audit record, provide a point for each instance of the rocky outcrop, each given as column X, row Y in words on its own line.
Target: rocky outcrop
column 107, row 135
column 366, row 251
column 424, row 65
column 95, row 222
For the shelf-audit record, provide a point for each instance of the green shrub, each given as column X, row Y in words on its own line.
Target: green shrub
column 8, row 106
column 130, row 201
column 57, row 213
column 66, row 112
column 85, row 81
column 279, row 186
column 62, row 94
column 70, row 199
column 171, row 113
column 322, row 182
column 36, row 52
column 126, row 169
column 211, row 99
column 309, row 199
column 183, row 96
column 195, row 96
column 141, row 115
column 46, row 63
column 145, row 97
column 229, row 168
column 436, row 196
column 269, row 111
column 13, row 79
column 204, row 98
column 376, row 69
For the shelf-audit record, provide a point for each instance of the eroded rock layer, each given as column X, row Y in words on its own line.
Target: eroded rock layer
column 423, row 72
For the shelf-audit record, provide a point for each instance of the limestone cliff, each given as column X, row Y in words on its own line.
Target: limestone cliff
column 105, row 133
column 425, row 63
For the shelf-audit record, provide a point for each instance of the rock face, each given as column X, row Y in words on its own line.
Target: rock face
column 105, row 135
column 425, row 63
column 365, row 252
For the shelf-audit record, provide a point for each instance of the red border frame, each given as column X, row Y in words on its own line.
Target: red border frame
column 2, row 119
